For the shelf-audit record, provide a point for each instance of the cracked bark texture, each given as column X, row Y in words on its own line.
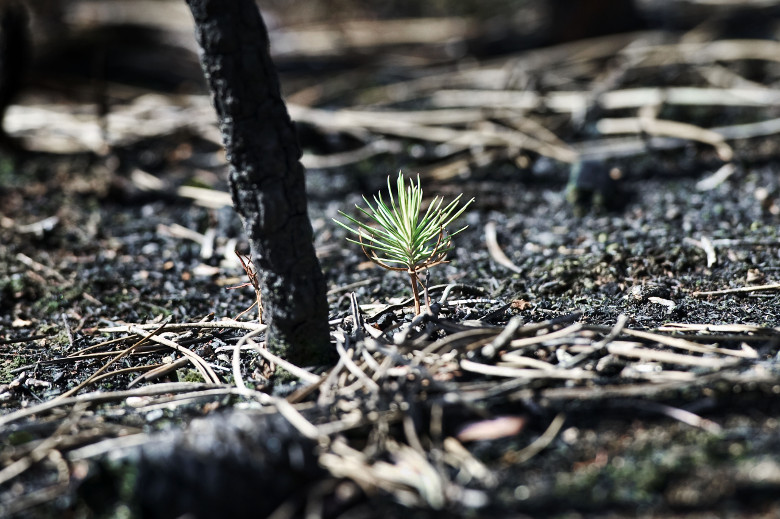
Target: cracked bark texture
column 266, row 175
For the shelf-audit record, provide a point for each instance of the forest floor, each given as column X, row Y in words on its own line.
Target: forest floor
column 619, row 359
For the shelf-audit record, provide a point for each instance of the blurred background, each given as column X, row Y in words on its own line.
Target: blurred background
column 134, row 41
column 110, row 51
column 447, row 87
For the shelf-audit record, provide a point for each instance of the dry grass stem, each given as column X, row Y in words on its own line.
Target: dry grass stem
column 495, row 249
column 539, row 444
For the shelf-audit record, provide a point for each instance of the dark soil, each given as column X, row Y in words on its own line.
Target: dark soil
column 644, row 437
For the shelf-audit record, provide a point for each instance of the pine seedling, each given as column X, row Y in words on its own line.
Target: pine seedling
column 399, row 236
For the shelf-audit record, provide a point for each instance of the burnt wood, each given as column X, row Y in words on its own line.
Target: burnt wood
column 266, row 175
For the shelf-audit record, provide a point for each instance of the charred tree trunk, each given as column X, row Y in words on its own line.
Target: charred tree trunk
column 266, row 176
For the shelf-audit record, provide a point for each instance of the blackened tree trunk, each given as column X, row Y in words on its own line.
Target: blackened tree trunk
column 266, row 176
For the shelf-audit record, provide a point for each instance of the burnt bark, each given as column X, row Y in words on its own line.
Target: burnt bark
column 266, row 175
column 229, row 464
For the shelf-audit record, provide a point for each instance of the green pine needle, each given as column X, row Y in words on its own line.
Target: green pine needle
column 397, row 235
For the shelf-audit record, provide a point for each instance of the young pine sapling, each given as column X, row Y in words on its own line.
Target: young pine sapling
column 400, row 237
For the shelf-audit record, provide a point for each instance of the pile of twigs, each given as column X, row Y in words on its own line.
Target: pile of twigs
column 513, row 106
column 393, row 414
column 604, row 98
